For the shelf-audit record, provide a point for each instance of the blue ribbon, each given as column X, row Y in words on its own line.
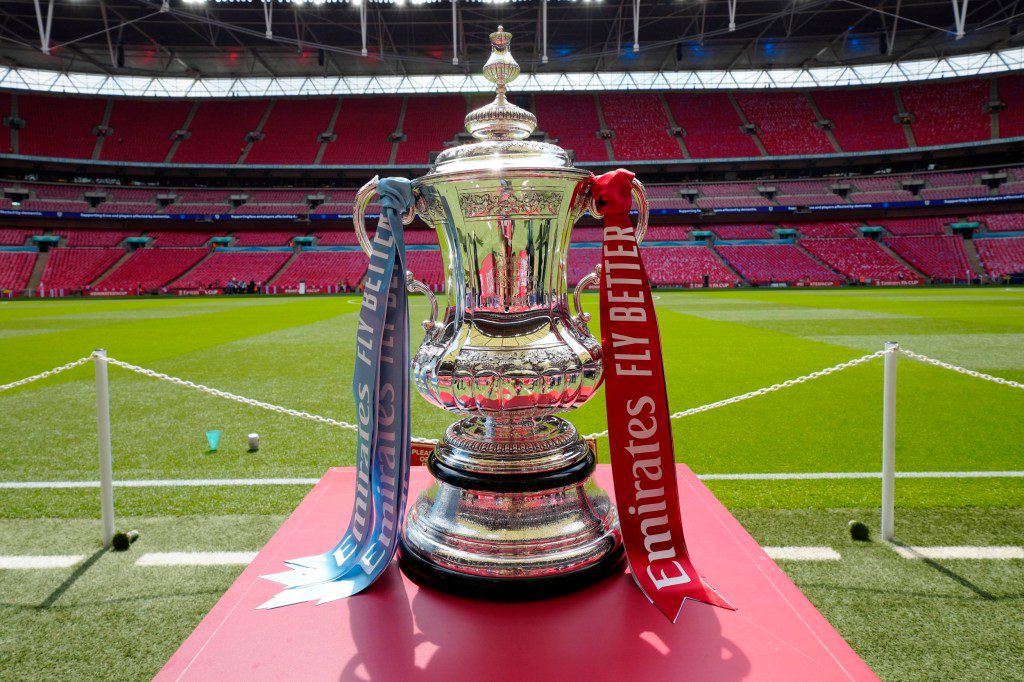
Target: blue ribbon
column 381, row 389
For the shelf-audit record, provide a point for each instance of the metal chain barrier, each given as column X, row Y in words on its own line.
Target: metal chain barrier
column 241, row 399
column 599, row 434
column 767, row 389
column 48, row 373
column 961, row 370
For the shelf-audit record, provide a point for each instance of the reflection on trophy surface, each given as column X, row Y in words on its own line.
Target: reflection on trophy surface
column 513, row 511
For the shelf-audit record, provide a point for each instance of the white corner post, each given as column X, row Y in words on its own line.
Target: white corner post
column 106, row 464
column 889, row 441
column 636, row 25
column 362, row 24
column 543, row 31
column 455, row 32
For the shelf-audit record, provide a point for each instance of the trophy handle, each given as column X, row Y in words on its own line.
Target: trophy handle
column 643, row 209
column 414, row 286
column 363, row 197
column 582, row 317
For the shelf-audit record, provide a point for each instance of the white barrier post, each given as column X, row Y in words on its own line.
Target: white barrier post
column 889, row 441
column 106, row 465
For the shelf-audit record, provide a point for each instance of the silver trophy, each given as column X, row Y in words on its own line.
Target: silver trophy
column 513, row 512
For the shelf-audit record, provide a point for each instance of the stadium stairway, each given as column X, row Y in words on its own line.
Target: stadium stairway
column 828, row 131
column 118, row 263
column 817, row 260
column 189, row 271
column 973, row 258
column 746, row 122
column 727, row 266
column 37, row 271
column 899, row 259
column 184, row 126
column 284, row 268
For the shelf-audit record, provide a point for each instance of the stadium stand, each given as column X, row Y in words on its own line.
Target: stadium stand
column 941, row 257
column 321, row 269
column 16, row 236
column 571, row 121
column 862, row 119
column 776, row 264
column 94, row 237
column 437, row 120
column 1001, row 256
column 725, row 189
column 59, row 126
column 143, row 130
column 126, row 208
column 1011, row 93
column 362, row 131
column 581, row 263
column 15, row 269
column 72, row 269
column 263, row 238
column 1000, row 222
column 149, row 269
column 686, row 266
column 947, row 113
column 881, row 197
column 732, row 202
column 744, row 231
column 197, row 209
column 954, row 192
column 427, row 267
column 657, row 233
column 336, row 238
column 860, row 260
column 428, row 237
column 711, row 125
column 824, row 229
column 223, row 266
column 218, row 129
column 640, row 127
column 55, row 206
column 181, row 237
column 290, row 133
column 911, row 226
column 785, row 122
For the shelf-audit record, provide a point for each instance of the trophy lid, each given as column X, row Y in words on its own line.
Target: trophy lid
column 500, row 127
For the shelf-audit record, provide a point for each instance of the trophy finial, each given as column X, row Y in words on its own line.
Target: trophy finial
column 500, row 120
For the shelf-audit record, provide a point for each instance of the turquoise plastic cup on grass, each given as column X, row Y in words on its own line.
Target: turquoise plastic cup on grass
column 213, row 438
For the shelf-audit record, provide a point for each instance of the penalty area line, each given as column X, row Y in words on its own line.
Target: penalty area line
column 202, row 482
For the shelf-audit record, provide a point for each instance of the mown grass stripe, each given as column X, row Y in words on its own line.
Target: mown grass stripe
column 195, row 558
column 960, row 552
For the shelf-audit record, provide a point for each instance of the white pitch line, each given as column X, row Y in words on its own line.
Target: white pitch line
column 201, row 482
column 960, row 552
column 803, row 553
column 33, row 562
column 195, row 558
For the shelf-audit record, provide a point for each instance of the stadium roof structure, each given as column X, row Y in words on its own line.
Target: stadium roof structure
column 259, row 47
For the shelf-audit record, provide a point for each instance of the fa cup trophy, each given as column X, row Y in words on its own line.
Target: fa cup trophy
column 513, row 511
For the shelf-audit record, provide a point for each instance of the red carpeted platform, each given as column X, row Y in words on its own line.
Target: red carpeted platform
column 396, row 631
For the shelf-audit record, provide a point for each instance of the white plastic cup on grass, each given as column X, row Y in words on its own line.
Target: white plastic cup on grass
column 254, row 442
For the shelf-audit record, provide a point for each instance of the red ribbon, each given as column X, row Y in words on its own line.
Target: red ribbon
column 639, row 422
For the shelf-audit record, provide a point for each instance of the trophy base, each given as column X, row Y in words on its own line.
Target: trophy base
column 427, row 574
column 490, row 529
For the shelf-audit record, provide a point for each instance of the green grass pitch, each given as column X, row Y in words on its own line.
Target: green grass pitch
column 954, row 619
